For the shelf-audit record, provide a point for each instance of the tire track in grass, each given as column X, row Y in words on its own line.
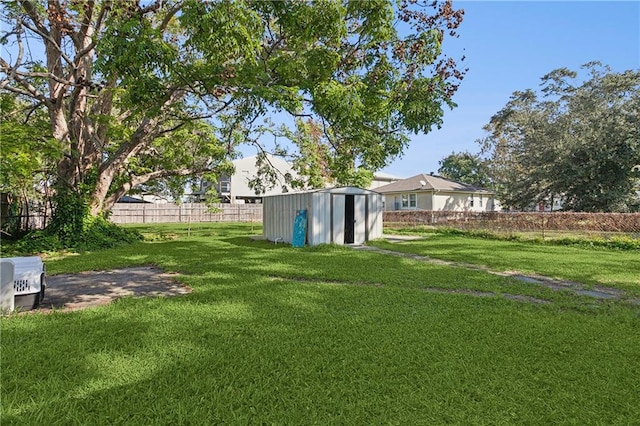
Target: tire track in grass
column 597, row 292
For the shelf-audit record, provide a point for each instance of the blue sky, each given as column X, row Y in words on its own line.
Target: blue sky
column 509, row 46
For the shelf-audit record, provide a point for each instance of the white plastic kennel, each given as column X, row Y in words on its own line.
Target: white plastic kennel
column 29, row 281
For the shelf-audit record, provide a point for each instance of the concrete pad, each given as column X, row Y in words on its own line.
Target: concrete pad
column 93, row 288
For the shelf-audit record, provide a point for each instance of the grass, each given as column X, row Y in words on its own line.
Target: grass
column 591, row 266
column 322, row 335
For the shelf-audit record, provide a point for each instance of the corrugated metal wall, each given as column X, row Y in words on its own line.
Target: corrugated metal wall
column 325, row 213
column 319, row 231
column 279, row 212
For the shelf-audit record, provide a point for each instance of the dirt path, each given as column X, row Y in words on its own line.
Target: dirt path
column 93, row 288
column 597, row 292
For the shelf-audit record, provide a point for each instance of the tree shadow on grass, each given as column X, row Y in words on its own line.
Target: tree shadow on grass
column 247, row 348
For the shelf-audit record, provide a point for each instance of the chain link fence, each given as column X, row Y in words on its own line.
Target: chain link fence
column 535, row 224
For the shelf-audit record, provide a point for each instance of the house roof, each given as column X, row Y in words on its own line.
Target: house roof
column 334, row 190
column 129, row 199
column 424, row 182
column 385, row 176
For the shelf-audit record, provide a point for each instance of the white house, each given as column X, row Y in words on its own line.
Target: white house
column 429, row 192
column 236, row 188
column 346, row 215
column 381, row 179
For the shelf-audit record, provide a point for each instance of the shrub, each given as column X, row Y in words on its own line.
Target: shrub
column 97, row 233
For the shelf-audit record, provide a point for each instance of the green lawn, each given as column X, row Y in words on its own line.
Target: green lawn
column 591, row 266
column 325, row 335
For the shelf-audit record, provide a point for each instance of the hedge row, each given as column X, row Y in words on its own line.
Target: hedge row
column 530, row 221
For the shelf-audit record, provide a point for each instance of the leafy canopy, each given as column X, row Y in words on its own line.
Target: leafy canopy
column 149, row 94
column 466, row 168
column 577, row 139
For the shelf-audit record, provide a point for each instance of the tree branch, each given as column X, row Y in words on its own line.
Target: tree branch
column 46, row 36
column 146, row 131
column 29, row 7
column 86, row 21
column 170, row 14
column 29, row 90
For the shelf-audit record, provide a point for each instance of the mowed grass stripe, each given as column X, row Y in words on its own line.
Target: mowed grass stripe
column 247, row 348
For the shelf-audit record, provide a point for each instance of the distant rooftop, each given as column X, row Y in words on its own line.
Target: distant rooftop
column 425, row 182
column 385, row 176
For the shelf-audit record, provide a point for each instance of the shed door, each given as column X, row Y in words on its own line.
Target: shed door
column 337, row 218
column 349, row 219
column 355, row 219
column 360, row 218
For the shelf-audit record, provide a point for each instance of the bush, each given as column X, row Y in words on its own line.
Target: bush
column 617, row 243
column 97, row 233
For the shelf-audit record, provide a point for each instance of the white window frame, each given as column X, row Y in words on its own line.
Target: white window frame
column 409, row 201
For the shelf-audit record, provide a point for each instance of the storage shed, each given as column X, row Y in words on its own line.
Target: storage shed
column 345, row 215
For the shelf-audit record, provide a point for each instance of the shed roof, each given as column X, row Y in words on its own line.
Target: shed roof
column 334, row 190
column 424, row 182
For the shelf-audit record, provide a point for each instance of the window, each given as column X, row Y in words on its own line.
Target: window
column 480, row 202
column 225, row 186
column 409, row 201
column 471, row 200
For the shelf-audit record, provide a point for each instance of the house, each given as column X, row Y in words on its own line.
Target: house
column 344, row 215
column 429, row 192
column 381, row 179
column 236, row 189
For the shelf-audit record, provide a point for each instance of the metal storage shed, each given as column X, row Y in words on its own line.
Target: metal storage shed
column 346, row 215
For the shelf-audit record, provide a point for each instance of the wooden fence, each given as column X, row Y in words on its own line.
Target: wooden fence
column 185, row 213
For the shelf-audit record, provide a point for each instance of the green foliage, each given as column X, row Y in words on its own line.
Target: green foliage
column 73, row 228
column 147, row 95
column 466, row 168
column 33, row 243
column 28, row 159
column 578, row 142
column 72, row 215
column 97, row 234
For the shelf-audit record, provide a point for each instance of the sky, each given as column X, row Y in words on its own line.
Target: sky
column 509, row 46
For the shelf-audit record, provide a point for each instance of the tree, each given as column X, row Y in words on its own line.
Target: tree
column 577, row 139
column 138, row 92
column 29, row 155
column 465, row 167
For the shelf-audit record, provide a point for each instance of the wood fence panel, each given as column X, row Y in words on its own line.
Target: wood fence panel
column 185, row 213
